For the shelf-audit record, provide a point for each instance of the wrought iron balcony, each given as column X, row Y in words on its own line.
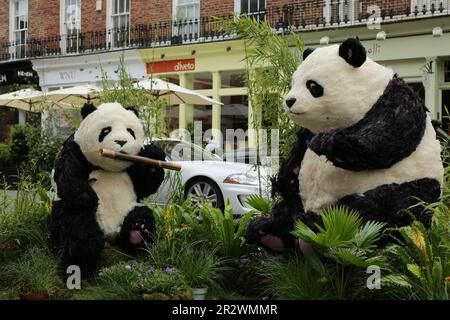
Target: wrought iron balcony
column 309, row 15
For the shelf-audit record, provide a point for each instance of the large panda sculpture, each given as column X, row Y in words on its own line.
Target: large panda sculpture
column 99, row 197
column 366, row 142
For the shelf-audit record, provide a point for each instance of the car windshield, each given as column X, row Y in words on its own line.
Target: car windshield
column 184, row 151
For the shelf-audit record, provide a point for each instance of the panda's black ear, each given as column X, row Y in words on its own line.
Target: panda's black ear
column 134, row 110
column 87, row 109
column 352, row 51
column 307, row 52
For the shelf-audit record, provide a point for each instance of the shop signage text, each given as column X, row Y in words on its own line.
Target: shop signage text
column 182, row 65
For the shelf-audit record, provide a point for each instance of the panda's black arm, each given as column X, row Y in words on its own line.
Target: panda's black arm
column 147, row 179
column 286, row 182
column 389, row 132
column 72, row 177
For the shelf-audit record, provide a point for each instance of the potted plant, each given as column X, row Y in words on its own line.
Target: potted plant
column 200, row 269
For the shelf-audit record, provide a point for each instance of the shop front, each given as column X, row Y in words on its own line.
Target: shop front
column 70, row 71
column 14, row 76
column 216, row 70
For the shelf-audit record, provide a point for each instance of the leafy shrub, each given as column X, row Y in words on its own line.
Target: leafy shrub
column 24, row 217
column 420, row 261
column 347, row 248
column 5, row 156
column 35, row 271
column 297, row 278
column 130, row 280
column 34, row 151
column 199, row 266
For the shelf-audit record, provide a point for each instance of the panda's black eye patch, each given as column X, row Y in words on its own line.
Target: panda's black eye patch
column 104, row 133
column 132, row 133
column 315, row 88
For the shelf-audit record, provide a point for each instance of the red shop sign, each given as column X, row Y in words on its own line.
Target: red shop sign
column 181, row 65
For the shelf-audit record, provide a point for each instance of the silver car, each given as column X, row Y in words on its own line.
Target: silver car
column 207, row 176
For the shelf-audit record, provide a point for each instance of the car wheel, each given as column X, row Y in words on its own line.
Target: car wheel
column 206, row 189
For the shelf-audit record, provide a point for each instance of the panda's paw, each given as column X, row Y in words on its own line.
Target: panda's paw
column 321, row 142
column 138, row 234
column 272, row 242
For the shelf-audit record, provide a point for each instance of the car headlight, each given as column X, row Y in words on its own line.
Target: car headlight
column 242, row 178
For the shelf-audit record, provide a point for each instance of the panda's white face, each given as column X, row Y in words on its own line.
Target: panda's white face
column 110, row 127
column 329, row 93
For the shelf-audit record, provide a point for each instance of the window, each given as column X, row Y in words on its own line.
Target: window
column 203, row 81
column 186, row 19
column 173, row 118
column 428, row 6
column 447, row 71
column 20, row 28
column 234, row 116
column 252, row 6
column 70, row 31
column 337, row 11
column 446, row 110
column 203, row 114
column 120, row 23
column 233, row 79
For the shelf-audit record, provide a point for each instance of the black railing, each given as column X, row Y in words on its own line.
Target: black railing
column 300, row 15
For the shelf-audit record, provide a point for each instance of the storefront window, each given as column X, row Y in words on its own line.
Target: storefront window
column 204, row 115
column 447, row 71
column 9, row 117
column 233, row 79
column 173, row 118
column 203, row 81
column 20, row 28
column 120, row 17
column 234, row 116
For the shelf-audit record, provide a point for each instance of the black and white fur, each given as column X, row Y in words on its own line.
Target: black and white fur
column 367, row 143
column 99, row 197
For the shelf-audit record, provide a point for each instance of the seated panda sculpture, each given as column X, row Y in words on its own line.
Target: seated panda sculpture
column 366, row 142
column 99, row 197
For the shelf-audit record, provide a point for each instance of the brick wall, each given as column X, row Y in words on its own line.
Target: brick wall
column 92, row 20
column 216, row 8
column 4, row 20
column 43, row 18
column 150, row 11
column 44, row 15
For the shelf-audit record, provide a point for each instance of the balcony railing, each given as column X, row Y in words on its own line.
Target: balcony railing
column 307, row 15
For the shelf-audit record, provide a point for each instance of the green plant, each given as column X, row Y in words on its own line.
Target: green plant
column 132, row 279
column 420, row 262
column 199, row 266
column 5, row 156
column 297, row 279
column 346, row 243
column 24, row 217
column 271, row 60
column 221, row 230
column 35, row 271
column 260, row 204
column 33, row 150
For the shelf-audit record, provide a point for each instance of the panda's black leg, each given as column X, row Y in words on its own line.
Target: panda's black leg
column 386, row 203
column 79, row 237
column 138, row 226
column 274, row 230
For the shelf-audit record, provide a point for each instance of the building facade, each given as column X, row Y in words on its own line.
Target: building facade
column 69, row 41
